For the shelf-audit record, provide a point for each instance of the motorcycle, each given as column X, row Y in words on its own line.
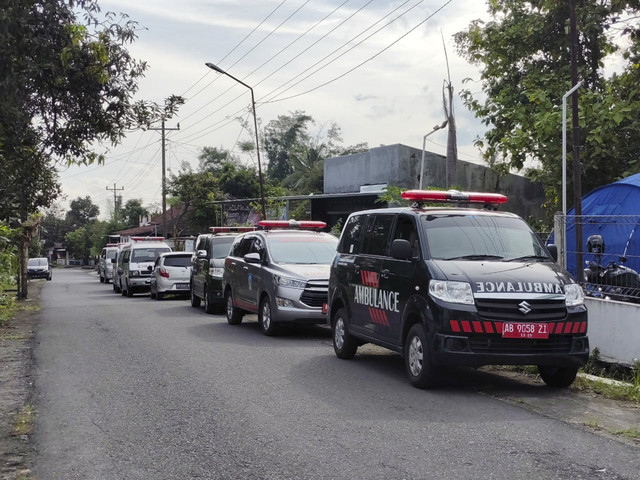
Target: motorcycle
column 614, row 281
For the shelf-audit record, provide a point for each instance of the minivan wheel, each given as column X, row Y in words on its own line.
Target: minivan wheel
column 559, row 377
column 234, row 315
column 344, row 344
column 265, row 318
column 195, row 300
column 208, row 306
column 101, row 279
column 420, row 371
column 129, row 291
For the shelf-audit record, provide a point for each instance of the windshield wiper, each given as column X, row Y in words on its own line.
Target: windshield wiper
column 476, row 257
column 528, row 257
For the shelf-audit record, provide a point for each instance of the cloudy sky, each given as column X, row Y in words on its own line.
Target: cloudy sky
column 375, row 67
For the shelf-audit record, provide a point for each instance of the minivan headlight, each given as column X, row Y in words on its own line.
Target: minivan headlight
column 454, row 292
column 289, row 282
column 216, row 271
column 573, row 294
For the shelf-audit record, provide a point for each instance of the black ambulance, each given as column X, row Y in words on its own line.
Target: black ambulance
column 455, row 286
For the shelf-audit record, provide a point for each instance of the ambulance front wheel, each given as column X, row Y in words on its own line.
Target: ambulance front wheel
column 344, row 344
column 421, row 373
column 559, row 377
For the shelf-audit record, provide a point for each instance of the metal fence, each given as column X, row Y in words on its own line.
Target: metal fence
column 609, row 253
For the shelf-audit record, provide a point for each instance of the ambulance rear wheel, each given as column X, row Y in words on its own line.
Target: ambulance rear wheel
column 344, row 344
column 421, row 373
column 559, row 377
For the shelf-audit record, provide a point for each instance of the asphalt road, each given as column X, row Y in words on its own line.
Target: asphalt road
column 133, row 388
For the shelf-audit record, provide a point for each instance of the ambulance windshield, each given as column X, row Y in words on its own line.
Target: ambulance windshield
column 481, row 238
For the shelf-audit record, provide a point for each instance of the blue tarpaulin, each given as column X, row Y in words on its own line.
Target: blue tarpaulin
column 612, row 211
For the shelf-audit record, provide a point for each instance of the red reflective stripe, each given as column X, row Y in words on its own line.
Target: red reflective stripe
column 576, row 327
column 559, row 327
column 386, row 319
column 583, row 327
column 465, row 326
column 362, row 277
column 567, row 329
column 454, row 325
column 477, row 327
column 488, row 327
column 498, row 327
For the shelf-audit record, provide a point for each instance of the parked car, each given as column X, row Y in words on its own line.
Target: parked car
column 281, row 273
column 105, row 264
column 208, row 266
column 39, row 268
column 135, row 263
column 171, row 274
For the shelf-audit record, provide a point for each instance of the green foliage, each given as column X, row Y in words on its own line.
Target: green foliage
column 524, row 57
column 195, row 190
column 130, row 214
column 78, row 243
column 82, row 211
column 8, row 259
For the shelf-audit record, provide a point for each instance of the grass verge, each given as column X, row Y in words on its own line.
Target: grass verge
column 23, row 424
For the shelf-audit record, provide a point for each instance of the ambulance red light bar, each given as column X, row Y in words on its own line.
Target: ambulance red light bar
column 453, row 196
column 112, row 244
column 147, row 239
column 303, row 224
column 231, row 229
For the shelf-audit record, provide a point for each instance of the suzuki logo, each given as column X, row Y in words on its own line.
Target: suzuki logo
column 524, row 307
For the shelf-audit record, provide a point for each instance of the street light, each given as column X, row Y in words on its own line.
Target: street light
column 424, row 146
column 255, row 124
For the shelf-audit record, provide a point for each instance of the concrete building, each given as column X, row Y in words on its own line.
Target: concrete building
column 399, row 165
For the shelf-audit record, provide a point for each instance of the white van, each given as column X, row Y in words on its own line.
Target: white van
column 135, row 263
column 105, row 264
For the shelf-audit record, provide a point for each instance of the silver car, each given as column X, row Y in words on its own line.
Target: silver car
column 282, row 275
column 170, row 275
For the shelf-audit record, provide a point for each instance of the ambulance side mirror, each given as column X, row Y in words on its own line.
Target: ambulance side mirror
column 553, row 250
column 401, row 249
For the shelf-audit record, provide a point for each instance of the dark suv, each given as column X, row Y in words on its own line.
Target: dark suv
column 455, row 286
column 207, row 265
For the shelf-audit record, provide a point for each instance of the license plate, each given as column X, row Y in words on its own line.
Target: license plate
column 182, row 286
column 525, row 330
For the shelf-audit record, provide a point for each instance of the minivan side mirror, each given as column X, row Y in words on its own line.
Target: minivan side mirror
column 252, row 258
column 201, row 254
column 553, row 250
column 113, row 260
column 401, row 249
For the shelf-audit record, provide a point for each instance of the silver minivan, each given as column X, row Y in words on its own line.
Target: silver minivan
column 281, row 273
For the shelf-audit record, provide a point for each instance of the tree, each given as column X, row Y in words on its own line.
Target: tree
column 82, row 211
column 68, row 87
column 524, row 57
column 78, row 243
column 284, row 141
column 131, row 212
column 213, row 159
column 195, row 190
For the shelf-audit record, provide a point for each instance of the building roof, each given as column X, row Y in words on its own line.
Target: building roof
column 176, row 224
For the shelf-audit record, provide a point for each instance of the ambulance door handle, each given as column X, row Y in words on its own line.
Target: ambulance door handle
column 384, row 273
column 245, row 268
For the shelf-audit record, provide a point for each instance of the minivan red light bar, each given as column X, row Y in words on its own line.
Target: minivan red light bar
column 147, row 239
column 310, row 224
column 231, row 229
column 112, row 244
column 453, row 196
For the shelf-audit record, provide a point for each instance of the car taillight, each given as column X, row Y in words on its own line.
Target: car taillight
column 163, row 272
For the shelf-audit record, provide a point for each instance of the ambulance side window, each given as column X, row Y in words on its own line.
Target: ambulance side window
column 406, row 230
column 377, row 237
column 351, row 235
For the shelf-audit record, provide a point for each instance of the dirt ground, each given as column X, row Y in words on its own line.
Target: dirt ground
column 16, row 341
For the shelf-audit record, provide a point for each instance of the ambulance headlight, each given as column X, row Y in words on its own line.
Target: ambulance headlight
column 454, row 292
column 573, row 295
column 287, row 282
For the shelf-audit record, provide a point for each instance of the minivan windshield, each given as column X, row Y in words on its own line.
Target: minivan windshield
column 37, row 262
column 221, row 247
column 307, row 250
column 139, row 255
column 481, row 237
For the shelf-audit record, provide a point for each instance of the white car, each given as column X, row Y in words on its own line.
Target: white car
column 171, row 274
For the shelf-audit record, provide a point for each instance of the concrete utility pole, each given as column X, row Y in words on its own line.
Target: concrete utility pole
column 577, row 170
column 115, row 201
column 164, row 129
